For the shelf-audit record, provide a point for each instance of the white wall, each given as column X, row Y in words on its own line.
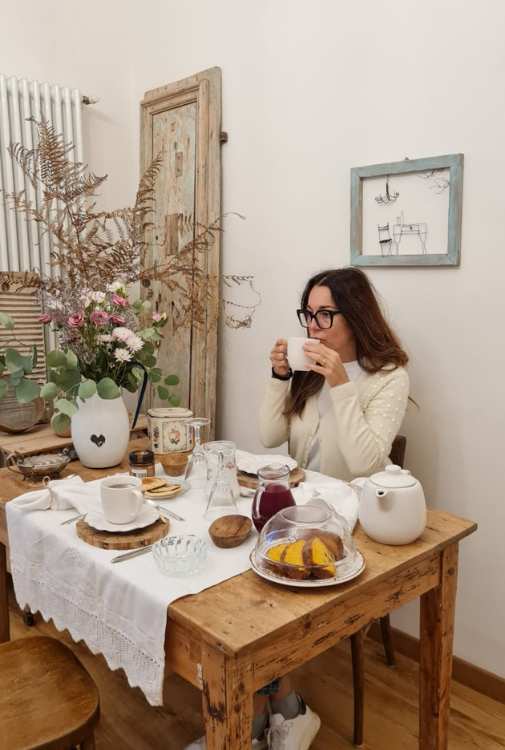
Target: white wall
column 309, row 90
column 85, row 46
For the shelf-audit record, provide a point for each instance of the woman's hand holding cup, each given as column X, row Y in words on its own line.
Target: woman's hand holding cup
column 326, row 362
column 279, row 358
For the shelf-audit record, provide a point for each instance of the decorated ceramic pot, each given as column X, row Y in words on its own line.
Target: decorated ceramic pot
column 169, row 429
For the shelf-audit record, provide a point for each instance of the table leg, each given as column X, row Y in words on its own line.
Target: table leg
column 4, row 596
column 435, row 663
column 227, row 701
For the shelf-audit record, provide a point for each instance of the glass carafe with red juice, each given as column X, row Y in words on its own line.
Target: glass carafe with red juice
column 273, row 493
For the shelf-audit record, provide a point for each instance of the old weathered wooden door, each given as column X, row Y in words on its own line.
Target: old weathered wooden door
column 183, row 120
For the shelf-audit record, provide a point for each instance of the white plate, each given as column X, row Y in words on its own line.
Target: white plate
column 146, row 517
column 268, row 575
column 250, row 462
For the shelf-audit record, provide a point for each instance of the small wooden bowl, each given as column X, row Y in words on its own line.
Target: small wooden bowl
column 230, row 531
column 174, row 464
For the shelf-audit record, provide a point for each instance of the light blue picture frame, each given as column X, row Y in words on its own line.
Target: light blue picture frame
column 453, row 162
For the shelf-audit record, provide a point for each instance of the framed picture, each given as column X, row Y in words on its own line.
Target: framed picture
column 407, row 213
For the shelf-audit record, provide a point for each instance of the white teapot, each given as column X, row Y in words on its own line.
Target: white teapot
column 392, row 508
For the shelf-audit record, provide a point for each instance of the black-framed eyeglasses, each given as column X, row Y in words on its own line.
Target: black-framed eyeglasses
column 323, row 318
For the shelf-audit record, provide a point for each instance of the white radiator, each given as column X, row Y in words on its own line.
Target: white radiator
column 23, row 246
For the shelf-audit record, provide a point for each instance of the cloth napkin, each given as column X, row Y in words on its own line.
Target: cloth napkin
column 339, row 495
column 61, row 494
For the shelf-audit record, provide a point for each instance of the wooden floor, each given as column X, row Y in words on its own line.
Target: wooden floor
column 129, row 723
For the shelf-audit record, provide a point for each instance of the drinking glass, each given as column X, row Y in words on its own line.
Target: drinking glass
column 221, row 501
column 273, row 493
column 228, row 448
column 196, row 469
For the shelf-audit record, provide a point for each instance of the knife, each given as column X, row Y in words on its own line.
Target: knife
column 133, row 553
column 74, row 518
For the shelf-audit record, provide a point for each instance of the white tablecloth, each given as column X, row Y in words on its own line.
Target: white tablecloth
column 120, row 610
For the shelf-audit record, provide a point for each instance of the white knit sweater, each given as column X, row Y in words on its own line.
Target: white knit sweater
column 355, row 435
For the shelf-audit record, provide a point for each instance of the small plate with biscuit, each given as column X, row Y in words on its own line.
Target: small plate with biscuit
column 159, row 488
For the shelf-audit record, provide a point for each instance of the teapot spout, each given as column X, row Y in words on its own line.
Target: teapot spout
column 381, row 493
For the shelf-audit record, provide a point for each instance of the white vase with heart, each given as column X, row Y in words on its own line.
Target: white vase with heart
column 100, row 431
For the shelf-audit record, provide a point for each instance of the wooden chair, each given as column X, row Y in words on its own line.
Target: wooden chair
column 357, row 640
column 48, row 701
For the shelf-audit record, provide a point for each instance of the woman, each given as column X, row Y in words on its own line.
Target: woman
column 339, row 418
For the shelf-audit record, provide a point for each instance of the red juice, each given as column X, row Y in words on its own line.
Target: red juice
column 268, row 501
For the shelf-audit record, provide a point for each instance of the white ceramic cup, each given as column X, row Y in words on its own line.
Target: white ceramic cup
column 121, row 499
column 297, row 358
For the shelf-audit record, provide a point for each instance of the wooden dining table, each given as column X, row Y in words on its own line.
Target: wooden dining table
column 231, row 639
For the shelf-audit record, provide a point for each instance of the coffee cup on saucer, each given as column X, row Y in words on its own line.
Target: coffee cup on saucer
column 297, row 358
column 122, row 499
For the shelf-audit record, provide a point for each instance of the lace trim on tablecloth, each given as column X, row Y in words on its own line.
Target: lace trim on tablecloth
column 42, row 594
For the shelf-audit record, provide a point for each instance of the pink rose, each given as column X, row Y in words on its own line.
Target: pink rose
column 99, row 317
column 118, row 300
column 45, row 318
column 117, row 320
column 159, row 317
column 76, row 320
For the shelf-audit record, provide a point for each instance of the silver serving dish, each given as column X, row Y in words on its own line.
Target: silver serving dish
column 40, row 466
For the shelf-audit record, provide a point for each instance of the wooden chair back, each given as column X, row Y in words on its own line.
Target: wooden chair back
column 398, row 448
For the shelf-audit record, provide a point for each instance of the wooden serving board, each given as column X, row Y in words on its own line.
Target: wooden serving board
column 122, row 540
column 246, row 480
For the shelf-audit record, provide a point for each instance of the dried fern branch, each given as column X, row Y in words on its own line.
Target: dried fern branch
column 90, row 248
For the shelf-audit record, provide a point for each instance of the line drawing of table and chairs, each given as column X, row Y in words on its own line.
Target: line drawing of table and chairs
column 390, row 238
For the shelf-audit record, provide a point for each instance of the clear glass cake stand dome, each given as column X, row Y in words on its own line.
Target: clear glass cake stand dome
column 307, row 542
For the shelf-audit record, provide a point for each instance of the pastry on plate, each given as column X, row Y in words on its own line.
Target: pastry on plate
column 152, row 483
column 313, row 556
column 165, row 491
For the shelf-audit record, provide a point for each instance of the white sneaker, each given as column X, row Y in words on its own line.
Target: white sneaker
column 293, row 734
column 201, row 744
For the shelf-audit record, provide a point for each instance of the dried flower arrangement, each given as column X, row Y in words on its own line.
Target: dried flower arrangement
column 106, row 341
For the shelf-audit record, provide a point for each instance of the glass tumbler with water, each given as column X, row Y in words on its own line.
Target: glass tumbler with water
column 221, row 501
column 227, row 448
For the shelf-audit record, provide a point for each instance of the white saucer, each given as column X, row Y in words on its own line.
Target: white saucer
column 268, row 575
column 146, row 517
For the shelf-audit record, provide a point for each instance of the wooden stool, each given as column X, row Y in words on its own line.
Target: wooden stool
column 357, row 640
column 47, row 699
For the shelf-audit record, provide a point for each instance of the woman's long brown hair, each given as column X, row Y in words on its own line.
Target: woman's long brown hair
column 377, row 347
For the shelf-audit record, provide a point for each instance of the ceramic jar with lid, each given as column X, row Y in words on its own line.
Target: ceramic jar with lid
column 169, row 429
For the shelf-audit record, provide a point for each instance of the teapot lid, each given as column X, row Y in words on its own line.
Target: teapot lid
column 394, row 476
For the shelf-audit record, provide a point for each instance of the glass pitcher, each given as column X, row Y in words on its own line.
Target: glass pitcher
column 273, row 493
